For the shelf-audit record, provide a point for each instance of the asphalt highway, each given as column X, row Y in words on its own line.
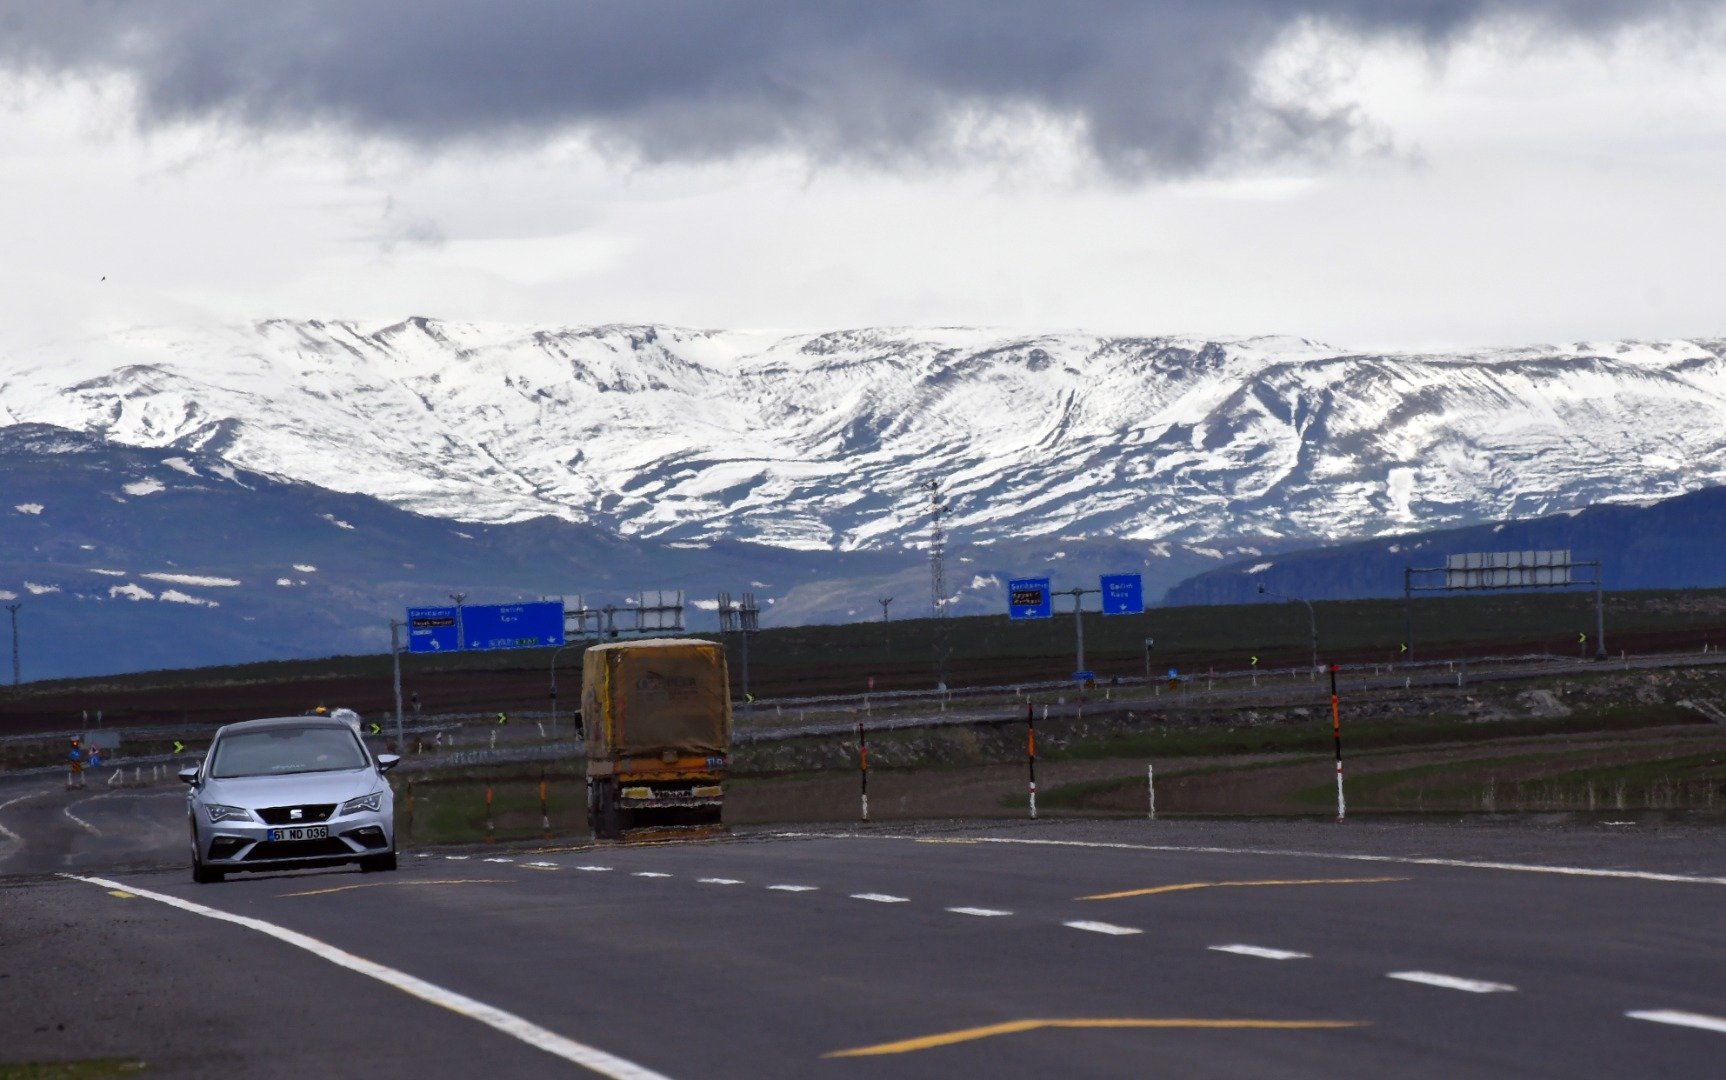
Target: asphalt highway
column 1040, row 949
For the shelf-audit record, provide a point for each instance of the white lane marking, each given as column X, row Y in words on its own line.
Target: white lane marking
column 8, row 833
column 1101, row 927
column 541, row 865
column 1261, row 952
column 977, row 911
column 456, row 858
column 1451, row 982
column 1682, row 1019
column 80, row 822
column 595, row 869
column 880, row 898
column 719, row 881
column 506, row 862
column 1468, row 864
column 422, row 855
column 791, row 888
column 510, row 1024
column 648, row 873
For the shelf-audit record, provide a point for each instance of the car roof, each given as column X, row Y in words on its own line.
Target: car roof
column 274, row 722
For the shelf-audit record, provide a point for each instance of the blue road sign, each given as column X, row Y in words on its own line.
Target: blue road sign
column 1028, row 598
column 1123, row 594
column 432, row 630
column 512, row 626
column 1084, row 676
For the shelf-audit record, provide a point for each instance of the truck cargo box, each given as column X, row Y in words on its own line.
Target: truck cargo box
column 656, row 696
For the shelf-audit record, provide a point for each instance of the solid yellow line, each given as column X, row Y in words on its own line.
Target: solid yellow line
column 1154, row 890
column 949, row 1038
column 378, row 884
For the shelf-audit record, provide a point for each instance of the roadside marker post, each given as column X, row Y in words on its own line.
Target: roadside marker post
column 863, row 765
column 1151, row 789
column 1336, row 735
column 1031, row 754
column 544, row 814
column 490, row 824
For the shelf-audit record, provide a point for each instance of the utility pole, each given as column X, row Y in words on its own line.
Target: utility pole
column 460, row 633
column 13, row 608
column 885, row 600
column 396, row 657
column 938, row 577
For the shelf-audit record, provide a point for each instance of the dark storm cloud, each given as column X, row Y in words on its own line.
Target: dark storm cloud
column 1156, row 85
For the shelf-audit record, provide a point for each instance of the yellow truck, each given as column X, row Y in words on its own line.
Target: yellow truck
column 657, row 714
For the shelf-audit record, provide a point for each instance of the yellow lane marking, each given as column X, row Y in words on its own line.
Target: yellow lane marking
column 949, row 1038
column 379, row 884
column 122, row 894
column 1156, row 889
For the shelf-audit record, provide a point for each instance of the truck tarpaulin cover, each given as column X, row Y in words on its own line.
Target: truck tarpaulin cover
column 646, row 697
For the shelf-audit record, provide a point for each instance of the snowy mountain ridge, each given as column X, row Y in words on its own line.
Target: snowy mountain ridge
column 822, row 440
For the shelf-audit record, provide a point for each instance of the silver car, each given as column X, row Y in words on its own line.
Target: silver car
column 293, row 792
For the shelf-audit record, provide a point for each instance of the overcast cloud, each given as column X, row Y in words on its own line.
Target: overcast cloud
column 1145, row 87
column 1372, row 173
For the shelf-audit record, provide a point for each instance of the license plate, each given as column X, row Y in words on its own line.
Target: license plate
column 310, row 832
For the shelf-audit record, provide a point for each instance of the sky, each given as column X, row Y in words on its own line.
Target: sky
column 1372, row 174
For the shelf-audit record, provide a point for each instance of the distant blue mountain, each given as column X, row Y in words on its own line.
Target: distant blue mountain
column 1675, row 543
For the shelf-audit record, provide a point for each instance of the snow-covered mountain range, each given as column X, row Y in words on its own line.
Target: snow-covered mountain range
column 164, row 491
column 821, row 441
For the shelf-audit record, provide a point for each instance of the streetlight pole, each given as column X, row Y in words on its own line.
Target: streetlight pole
column 396, row 659
column 1312, row 623
column 554, row 653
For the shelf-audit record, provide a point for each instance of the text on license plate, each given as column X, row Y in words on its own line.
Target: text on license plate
column 310, row 832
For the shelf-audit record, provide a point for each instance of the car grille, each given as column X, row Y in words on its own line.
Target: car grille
column 280, row 815
column 298, row 849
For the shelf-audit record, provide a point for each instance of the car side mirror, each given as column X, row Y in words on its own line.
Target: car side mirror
column 386, row 762
column 189, row 774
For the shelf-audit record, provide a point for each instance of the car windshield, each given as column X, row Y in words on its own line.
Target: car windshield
column 279, row 751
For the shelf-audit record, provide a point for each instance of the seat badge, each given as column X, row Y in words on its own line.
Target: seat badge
column 295, row 814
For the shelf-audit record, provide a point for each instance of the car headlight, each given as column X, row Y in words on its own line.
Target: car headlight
column 364, row 802
column 218, row 812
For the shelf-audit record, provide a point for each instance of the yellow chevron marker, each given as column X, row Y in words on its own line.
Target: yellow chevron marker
column 1186, row 886
column 949, row 1038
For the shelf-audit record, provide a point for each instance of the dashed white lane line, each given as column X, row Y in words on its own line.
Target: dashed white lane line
column 506, row 862
column 1261, row 952
column 719, row 881
column 542, row 865
column 791, row 888
column 456, row 858
column 981, row 911
column 1451, row 982
column 510, row 1024
column 1102, row 927
column 1681, row 1019
column 880, row 898
column 648, row 873
column 595, row 869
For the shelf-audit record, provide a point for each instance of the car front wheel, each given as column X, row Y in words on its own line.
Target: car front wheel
column 204, row 875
